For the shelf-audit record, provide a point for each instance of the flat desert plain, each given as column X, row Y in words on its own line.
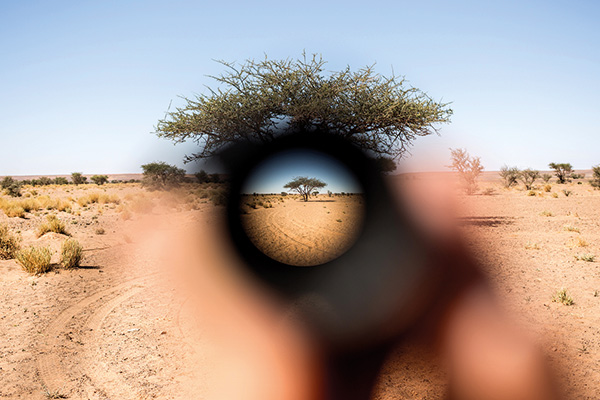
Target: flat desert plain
column 125, row 326
column 303, row 233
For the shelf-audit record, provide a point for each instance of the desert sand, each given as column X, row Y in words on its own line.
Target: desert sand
column 122, row 326
column 304, row 233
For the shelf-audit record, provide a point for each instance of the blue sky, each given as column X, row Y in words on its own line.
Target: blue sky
column 272, row 174
column 82, row 84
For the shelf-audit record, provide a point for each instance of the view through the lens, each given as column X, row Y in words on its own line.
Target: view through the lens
column 302, row 208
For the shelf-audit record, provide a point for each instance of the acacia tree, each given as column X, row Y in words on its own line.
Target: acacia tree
column 562, row 171
column 305, row 186
column 99, row 179
column 160, row 175
column 259, row 99
column 509, row 175
column 528, row 177
column 78, row 178
column 469, row 168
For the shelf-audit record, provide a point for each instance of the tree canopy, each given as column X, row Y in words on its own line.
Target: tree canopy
column 160, row 175
column 258, row 99
column 305, row 186
column 563, row 171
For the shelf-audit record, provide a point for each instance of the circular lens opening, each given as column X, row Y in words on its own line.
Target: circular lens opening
column 302, row 207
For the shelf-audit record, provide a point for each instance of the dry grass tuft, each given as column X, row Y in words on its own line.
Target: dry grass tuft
column 12, row 208
column 577, row 242
column 562, row 296
column 571, row 228
column 52, row 224
column 99, row 198
column 71, row 253
column 586, row 257
column 35, row 260
column 10, row 243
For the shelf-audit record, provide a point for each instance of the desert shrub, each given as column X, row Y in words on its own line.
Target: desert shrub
column 11, row 186
column 546, row 213
column 14, row 189
column 45, row 181
column 60, row 180
column 202, row 176
column 528, row 177
column 6, row 182
column 35, row 260
column 12, row 209
column 52, row 224
column 547, row 188
column 49, row 203
column 546, row 177
column 531, row 193
column 555, row 195
column 71, row 253
column 10, row 243
column 595, row 181
column 562, row 296
column 99, row 179
column 100, row 231
column 29, row 204
column 577, row 176
column 586, row 257
column 469, row 168
column 509, row 175
column 488, row 191
column 567, row 192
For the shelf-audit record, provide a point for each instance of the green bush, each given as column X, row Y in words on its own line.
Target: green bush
column 35, row 260
column 595, row 181
column 71, row 253
column 14, row 189
column 9, row 243
column 59, row 180
column 6, row 182
column 99, row 179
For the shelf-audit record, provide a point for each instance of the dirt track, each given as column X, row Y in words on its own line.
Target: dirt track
column 303, row 233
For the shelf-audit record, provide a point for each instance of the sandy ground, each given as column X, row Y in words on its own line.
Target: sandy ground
column 123, row 327
column 302, row 233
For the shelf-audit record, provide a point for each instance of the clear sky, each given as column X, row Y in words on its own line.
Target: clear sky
column 82, row 83
column 272, row 175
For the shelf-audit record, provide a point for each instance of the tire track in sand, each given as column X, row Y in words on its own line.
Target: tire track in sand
column 51, row 370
